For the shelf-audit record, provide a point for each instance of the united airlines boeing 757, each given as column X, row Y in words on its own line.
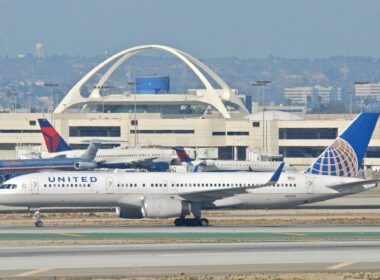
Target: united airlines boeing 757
column 177, row 195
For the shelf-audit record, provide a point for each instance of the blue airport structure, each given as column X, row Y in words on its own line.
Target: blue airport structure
column 153, row 84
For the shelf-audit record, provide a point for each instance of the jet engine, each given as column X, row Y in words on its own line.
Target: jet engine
column 208, row 162
column 129, row 213
column 82, row 165
column 164, row 208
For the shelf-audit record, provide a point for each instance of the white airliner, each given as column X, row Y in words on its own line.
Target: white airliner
column 164, row 195
column 215, row 165
column 150, row 158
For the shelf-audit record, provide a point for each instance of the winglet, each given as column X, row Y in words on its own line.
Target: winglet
column 196, row 168
column 276, row 175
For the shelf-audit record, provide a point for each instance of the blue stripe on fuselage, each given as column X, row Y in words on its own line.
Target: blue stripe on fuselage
column 37, row 164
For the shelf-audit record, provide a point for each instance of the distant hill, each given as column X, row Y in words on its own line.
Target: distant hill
column 19, row 75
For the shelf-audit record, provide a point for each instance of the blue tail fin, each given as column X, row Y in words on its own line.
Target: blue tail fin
column 54, row 142
column 345, row 155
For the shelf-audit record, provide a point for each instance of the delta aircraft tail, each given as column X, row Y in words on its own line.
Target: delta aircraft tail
column 344, row 157
column 53, row 140
column 182, row 155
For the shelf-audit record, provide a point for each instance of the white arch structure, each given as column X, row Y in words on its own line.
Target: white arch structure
column 210, row 96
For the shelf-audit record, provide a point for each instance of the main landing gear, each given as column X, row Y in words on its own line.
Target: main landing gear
column 195, row 222
column 37, row 217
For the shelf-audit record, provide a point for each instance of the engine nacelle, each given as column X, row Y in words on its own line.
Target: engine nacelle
column 164, row 208
column 208, row 162
column 129, row 213
column 82, row 165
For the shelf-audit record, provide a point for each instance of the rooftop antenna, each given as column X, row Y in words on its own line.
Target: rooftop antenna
column 6, row 48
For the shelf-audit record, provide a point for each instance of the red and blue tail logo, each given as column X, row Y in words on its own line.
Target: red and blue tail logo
column 54, row 142
column 345, row 155
column 182, row 155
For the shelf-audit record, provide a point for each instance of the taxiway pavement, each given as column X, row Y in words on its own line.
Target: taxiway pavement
column 169, row 259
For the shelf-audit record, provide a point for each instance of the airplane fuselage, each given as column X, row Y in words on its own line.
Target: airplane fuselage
column 129, row 189
column 240, row 165
column 30, row 165
column 149, row 158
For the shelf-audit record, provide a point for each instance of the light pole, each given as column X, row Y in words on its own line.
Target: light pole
column 262, row 84
column 135, row 117
column 52, row 86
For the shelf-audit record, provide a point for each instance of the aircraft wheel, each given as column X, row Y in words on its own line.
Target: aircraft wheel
column 193, row 222
column 204, row 222
column 38, row 223
column 179, row 222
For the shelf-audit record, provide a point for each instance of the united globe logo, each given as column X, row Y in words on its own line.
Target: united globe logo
column 337, row 160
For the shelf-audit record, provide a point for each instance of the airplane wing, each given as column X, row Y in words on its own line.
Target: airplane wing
column 144, row 161
column 347, row 187
column 212, row 195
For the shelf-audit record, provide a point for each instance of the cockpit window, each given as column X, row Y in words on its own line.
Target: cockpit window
column 8, row 187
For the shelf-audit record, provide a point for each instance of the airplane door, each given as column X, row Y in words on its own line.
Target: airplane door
column 109, row 185
column 34, row 186
column 309, row 185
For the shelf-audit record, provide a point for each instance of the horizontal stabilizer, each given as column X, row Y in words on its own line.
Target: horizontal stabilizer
column 366, row 184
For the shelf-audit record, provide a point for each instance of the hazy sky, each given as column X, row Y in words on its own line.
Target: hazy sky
column 217, row 28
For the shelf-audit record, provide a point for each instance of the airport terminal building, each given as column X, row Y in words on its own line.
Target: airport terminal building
column 214, row 116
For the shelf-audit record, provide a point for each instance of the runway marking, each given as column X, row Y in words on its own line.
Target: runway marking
column 339, row 265
column 30, row 273
column 290, row 233
column 70, row 234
